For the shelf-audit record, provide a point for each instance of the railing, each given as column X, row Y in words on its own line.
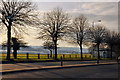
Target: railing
column 48, row 56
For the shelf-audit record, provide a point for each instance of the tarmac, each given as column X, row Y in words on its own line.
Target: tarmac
column 22, row 67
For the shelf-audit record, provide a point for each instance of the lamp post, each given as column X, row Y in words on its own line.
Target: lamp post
column 93, row 23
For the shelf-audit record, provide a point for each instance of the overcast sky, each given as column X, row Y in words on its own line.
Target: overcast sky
column 107, row 12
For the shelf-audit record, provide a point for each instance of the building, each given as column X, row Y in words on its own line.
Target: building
column 104, row 52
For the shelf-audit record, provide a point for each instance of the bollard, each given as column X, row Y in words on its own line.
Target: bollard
column 27, row 55
column 97, row 61
column 48, row 56
column 75, row 56
column 38, row 56
column 61, row 61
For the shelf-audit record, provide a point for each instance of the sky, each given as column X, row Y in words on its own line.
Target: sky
column 107, row 12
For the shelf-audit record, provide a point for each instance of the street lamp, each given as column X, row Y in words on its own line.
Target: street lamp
column 93, row 23
column 99, row 20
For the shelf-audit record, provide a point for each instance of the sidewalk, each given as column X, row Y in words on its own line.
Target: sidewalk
column 21, row 67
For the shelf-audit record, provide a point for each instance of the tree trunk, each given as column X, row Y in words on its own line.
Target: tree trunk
column 51, row 53
column 15, row 54
column 111, row 52
column 98, row 51
column 8, row 41
column 55, row 42
column 81, row 52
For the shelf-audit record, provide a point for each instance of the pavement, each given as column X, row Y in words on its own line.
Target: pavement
column 100, row 72
column 22, row 67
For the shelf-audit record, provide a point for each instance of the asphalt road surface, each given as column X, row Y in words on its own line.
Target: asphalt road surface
column 100, row 71
column 40, row 64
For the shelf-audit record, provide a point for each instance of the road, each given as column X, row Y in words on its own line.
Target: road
column 100, row 71
column 40, row 64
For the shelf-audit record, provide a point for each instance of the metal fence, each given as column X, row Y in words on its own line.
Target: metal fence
column 48, row 56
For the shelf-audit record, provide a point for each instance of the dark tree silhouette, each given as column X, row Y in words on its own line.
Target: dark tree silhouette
column 49, row 45
column 97, row 36
column 54, row 26
column 77, row 32
column 118, row 39
column 117, row 44
column 110, row 39
column 16, row 16
column 16, row 44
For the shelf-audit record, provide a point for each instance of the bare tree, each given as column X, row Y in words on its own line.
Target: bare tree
column 54, row 26
column 118, row 39
column 77, row 32
column 16, row 16
column 110, row 39
column 97, row 36
column 50, row 46
column 16, row 43
column 117, row 44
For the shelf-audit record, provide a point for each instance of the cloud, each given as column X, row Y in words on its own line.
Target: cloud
column 107, row 12
column 97, row 8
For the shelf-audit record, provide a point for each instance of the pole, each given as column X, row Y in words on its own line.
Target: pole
column 97, row 61
column 38, row 56
column 76, row 56
column 48, row 56
column 27, row 55
column 61, row 61
column 70, row 56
